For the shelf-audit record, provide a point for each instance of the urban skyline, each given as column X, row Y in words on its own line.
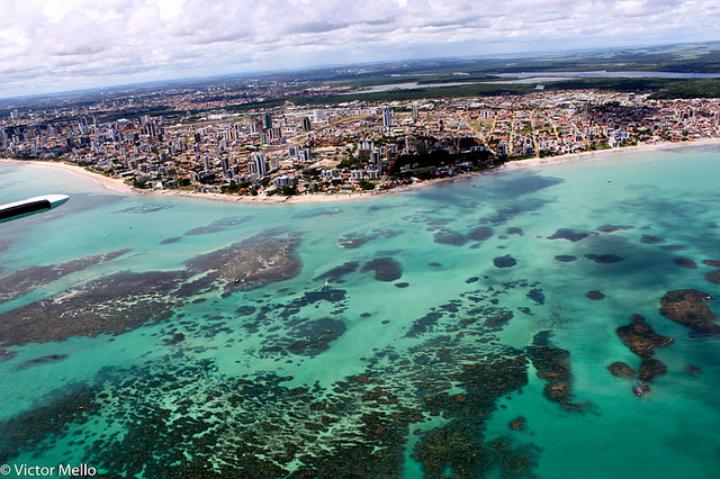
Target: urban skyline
column 53, row 47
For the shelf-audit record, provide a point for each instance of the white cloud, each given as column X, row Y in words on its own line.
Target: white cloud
column 54, row 45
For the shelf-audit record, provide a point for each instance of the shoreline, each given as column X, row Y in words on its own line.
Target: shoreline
column 117, row 185
column 603, row 154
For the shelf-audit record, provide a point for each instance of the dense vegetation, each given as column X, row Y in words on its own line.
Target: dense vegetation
column 701, row 88
column 661, row 88
column 420, row 93
column 696, row 58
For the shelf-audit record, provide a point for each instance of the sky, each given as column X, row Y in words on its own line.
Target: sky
column 60, row 45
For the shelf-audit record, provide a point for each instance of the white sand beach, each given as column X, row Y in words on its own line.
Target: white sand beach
column 116, row 185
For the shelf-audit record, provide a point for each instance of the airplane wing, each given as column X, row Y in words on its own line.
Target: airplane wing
column 30, row 206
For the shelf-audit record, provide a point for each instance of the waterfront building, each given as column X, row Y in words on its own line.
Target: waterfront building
column 260, row 164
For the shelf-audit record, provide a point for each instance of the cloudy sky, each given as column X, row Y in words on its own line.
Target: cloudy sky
column 57, row 45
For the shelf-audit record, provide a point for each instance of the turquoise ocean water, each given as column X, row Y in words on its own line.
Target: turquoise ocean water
column 411, row 360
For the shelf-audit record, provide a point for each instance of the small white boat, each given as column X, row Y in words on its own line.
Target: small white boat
column 30, row 206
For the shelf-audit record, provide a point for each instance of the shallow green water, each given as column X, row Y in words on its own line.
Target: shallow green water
column 242, row 375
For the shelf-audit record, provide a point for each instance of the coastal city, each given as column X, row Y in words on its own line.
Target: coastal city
column 215, row 141
column 410, row 239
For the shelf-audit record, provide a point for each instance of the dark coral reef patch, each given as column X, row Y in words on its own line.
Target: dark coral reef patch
column 621, row 369
column 384, row 269
column 604, row 258
column 356, row 240
column 690, row 308
column 261, row 259
column 553, row 365
column 109, row 305
column 22, row 282
column 506, row 261
column 568, row 234
column 640, row 338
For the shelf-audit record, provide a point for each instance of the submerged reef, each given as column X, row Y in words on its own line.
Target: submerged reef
column 506, row 261
column 123, row 301
column 384, row 269
column 218, row 226
column 109, row 305
column 455, row 238
column 650, row 239
column 24, row 281
column 621, row 370
column 356, row 240
column 640, row 338
column 336, row 274
column 38, row 428
column 610, row 228
column 182, row 415
column 689, row 307
column 595, row 295
column 264, row 258
column 604, row 258
column 553, row 365
column 568, row 234
column 713, row 277
column 685, row 263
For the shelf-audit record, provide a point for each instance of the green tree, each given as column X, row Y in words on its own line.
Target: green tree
column 366, row 185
